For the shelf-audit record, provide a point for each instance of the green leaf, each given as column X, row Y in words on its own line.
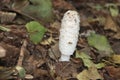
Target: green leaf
column 87, row 60
column 39, row 9
column 99, row 65
column 21, row 71
column 100, row 42
column 82, row 55
column 36, row 31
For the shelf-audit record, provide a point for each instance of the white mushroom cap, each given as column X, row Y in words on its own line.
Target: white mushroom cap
column 69, row 32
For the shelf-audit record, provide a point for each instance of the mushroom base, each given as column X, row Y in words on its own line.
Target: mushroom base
column 64, row 58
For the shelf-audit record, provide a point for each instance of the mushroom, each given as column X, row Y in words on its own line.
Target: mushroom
column 69, row 32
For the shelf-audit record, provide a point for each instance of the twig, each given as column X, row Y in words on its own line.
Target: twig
column 21, row 57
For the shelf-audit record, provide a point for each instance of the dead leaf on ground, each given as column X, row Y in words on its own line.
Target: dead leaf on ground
column 116, row 59
column 117, row 35
column 12, row 53
column 32, row 65
column 113, row 8
column 56, row 25
column 7, row 17
column 87, row 60
column 90, row 74
column 84, row 20
column 54, row 52
column 66, row 70
column 116, row 47
column 113, row 72
column 62, row 4
column 48, row 41
column 6, row 73
column 19, row 4
column 110, row 24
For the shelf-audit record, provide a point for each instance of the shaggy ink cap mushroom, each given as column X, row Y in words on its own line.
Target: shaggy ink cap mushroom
column 69, row 32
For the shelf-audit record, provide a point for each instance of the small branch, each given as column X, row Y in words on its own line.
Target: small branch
column 21, row 57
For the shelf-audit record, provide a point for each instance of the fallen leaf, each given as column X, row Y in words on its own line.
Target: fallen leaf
column 98, row 7
column 99, row 19
column 90, row 74
column 36, row 31
column 28, row 76
column 87, row 60
column 48, row 41
column 83, row 75
column 66, row 69
column 2, row 52
column 110, row 24
column 101, row 43
column 7, row 17
column 117, row 35
column 11, row 53
column 99, row 65
column 82, row 55
column 56, row 25
column 19, row 4
column 39, row 9
column 54, row 52
column 113, row 72
column 116, row 59
column 114, row 10
column 21, row 71
column 4, row 29
column 84, row 20
column 62, row 4
column 116, row 47
column 6, row 73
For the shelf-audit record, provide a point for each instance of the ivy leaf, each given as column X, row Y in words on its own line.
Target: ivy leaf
column 36, row 31
column 101, row 43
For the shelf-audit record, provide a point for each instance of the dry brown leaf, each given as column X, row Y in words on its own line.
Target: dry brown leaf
column 116, row 47
column 48, row 41
column 113, row 72
column 56, row 25
column 62, row 4
column 2, row 52
column 117, row 35
column 66, row 69
column 116, row 59
column 12, row 52
column 90, row 74
column 110, row 24
column 7, row 17
column 84, row 20
column 54, row 52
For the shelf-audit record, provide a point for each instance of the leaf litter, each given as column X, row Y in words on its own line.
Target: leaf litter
column 41, row 59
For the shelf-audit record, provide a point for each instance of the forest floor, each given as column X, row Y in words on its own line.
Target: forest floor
column 96, row 57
